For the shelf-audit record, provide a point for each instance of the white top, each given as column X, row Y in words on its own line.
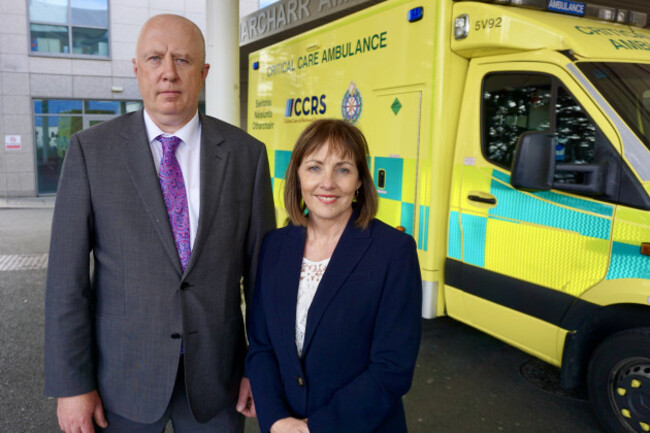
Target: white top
column 310, row 276
column 188, row 155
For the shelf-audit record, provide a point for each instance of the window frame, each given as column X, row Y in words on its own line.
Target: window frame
column 70, row 26
column 85, row 116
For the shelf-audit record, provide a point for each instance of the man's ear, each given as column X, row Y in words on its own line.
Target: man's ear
column 204, row 71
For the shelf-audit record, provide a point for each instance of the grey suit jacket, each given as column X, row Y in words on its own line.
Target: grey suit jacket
column 119, row 330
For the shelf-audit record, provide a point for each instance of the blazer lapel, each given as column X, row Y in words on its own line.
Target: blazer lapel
column 136, row 153
column 214, row 159
column 351, row 247
column 285, row 289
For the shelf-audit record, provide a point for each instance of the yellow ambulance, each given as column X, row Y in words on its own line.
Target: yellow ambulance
column 513, row 143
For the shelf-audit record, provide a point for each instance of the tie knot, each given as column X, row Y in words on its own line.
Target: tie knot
column 169, row 143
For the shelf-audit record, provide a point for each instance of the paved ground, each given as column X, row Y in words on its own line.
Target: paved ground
column 465, row 381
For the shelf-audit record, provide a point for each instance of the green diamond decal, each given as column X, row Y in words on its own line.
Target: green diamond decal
column 396, row 106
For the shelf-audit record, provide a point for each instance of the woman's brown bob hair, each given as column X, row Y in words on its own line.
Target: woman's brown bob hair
column 343, row 138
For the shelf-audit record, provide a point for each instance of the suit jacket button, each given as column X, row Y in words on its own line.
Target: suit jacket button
column 300, row 380
column 176, row 335
column 185, row 285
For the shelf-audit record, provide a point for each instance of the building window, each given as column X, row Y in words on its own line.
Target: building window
column 75, row 28
column 55, row 120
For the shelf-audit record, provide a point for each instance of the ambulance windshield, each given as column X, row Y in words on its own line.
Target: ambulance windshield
column 626, row 86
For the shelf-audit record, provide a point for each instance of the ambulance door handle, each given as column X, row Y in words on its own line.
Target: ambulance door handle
column 487, row 200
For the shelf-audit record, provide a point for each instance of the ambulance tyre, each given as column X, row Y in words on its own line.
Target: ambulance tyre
column 619, row 381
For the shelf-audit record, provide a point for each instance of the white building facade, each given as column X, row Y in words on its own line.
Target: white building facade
column 64, row 66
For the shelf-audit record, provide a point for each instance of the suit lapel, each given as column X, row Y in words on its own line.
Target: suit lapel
column 136, row 154
column 349, row 250
column 214, row 159
column 286, row 286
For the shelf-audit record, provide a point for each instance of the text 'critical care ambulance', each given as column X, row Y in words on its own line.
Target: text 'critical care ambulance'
column 513, row 144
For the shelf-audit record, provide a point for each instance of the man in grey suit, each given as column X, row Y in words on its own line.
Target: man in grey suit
column 156, row 332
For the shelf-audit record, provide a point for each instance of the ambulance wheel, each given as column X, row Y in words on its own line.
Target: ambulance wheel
column 619, row 381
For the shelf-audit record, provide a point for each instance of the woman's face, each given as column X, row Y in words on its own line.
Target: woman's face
column 328, row 182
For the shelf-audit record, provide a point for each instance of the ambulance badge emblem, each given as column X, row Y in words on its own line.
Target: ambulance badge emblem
column 352, row 103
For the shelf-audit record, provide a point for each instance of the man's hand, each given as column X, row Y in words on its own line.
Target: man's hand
column 76, row 413
column 245, row 403
column 290, row 425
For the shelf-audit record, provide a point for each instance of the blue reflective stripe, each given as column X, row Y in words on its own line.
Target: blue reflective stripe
column 576, row 203
column 423, row 232
column 406, row 217
column 523, row 207
column 282, row 158
column 501, row 176
column 628, row 262
column 474, row 229
column 453, row 236
column 565, row 200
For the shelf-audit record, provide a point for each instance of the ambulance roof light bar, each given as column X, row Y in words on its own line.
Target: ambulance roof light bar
column 577, row 8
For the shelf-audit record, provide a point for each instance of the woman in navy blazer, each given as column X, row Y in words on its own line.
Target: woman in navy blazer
column 334, row 329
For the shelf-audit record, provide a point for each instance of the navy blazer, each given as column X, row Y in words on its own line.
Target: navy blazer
column 362, row 335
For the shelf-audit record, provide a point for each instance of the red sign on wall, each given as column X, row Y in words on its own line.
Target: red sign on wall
column 13, row 142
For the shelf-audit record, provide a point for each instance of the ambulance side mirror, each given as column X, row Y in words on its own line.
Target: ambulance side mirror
column 534, row 161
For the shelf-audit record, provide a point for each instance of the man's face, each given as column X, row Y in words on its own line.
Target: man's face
column 170, row 69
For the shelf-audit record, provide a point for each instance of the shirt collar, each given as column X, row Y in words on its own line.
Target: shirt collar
column 189, row 133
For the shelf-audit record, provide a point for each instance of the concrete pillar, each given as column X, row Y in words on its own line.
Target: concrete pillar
column 222, row 43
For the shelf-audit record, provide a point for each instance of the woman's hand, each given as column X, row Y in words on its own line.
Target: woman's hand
column 290, row 425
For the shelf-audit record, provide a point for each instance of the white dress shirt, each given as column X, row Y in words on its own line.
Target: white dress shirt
column 188, row 155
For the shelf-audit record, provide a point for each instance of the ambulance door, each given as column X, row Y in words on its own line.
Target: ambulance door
column 391, row 125
column 527, row 255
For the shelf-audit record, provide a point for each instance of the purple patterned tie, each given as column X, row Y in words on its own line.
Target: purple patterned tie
column 173, row 189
